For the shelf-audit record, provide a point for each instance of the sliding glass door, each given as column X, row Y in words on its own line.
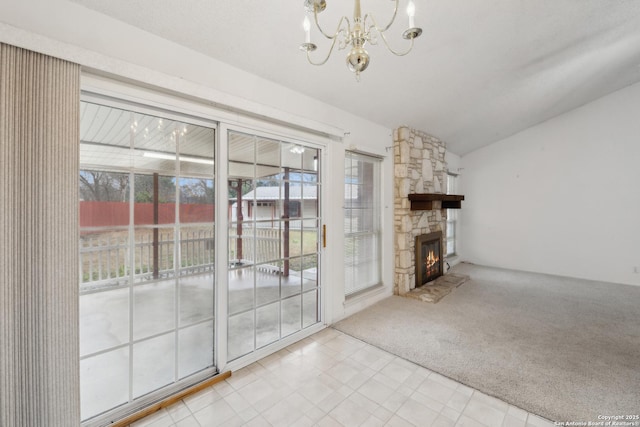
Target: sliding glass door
column 148, row 267
column 146, row 255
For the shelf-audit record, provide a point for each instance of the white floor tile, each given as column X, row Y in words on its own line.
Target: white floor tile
column 178, row 411
column 511, row 421
column 488, row 415
column 372, row 422
column 491, row 401
column 258, row 422
column 190, row 421
column 256, row 390
column 248, row 414
column 465, row 421
column 444, row 380
column 349, row 413
column 328, row 421
column 315, row 414
column 397, row 421
column 333, row 380
column 218, row 413
column 452, row 414
column 162, row 414
column 416, row 413
column 435, row 390
column 517, row 413
column 397, row 371
column 237, row 402
column 535, row 421
column 376, row 391
column 202, row 399
column 443, row 421
column 283, row 414
column 458, row 401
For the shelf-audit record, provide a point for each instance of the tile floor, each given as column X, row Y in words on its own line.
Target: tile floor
column 331, row 379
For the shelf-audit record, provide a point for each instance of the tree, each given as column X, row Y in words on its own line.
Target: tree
column 104, row 186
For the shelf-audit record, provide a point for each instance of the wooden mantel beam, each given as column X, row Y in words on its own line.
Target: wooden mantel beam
column 424, row 201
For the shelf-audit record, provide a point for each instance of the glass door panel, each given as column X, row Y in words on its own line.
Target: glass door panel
column 146, row 250
column 273, row 240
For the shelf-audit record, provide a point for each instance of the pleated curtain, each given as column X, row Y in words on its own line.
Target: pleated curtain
column 39, row 148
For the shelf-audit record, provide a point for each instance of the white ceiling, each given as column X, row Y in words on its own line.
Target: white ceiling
column 482, row 70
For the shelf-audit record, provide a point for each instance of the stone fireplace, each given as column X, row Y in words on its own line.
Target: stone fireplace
column 419, row 167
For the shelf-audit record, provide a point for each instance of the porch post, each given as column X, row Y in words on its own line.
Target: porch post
column 285, row 216
column 240, row 218
column 156, row 269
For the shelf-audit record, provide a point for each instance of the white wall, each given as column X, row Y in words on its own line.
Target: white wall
column 562, row 197
column 107, row 47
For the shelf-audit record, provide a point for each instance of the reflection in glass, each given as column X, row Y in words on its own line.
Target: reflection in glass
column 310, row 309
column 146, row 250
column 155, row 199
column 196, row 298
column 196, row 348
column 104, row 382
column 196, row 200
column 241, row 289
column 105, row 320
column 273, row 191
column 153, row 309
column 151, row 372
column 267, row 324
column 240, row 336
column 154, row 254
column 291, row 315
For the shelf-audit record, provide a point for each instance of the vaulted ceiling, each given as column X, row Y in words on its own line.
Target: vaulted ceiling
column 482, row 70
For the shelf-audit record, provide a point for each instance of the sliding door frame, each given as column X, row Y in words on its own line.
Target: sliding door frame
column 222, row 224
column 105, row 91
column 138, row 403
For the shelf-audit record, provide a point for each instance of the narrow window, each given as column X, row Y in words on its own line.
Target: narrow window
column 452, row 216
column 362, row 222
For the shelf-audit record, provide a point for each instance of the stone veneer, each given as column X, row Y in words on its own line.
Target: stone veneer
column 419, row 167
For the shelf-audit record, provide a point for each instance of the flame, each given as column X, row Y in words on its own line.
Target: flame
column 431, row 260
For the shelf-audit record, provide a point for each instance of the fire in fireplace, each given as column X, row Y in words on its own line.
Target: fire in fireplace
column 428, row 258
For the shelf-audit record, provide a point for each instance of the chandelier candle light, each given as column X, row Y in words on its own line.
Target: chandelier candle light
column 364, row 30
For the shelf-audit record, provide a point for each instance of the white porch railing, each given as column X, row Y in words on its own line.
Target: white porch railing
column 105, row 259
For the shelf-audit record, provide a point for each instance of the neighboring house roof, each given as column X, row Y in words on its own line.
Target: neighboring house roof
column 306, row 192
column 296, row 192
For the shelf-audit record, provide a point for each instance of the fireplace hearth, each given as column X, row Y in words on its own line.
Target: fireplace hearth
column 428, row 259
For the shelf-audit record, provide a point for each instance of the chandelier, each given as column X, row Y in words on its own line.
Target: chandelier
column 356, row 34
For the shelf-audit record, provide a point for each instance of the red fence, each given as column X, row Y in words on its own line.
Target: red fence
column 112, row 214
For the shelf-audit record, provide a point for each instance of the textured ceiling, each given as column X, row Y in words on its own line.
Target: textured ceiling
column 482, row 70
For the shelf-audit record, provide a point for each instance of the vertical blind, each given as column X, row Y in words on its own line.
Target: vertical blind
column 39, row 130
column 361, row 222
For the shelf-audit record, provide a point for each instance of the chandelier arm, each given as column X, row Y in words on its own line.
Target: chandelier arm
column 333, row 37
column 375, row 24
column 328, row 54
column 384, row 39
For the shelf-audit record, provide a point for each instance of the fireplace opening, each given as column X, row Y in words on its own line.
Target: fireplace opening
column 428, row 260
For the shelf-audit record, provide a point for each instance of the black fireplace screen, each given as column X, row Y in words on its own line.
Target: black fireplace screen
column 428, row 258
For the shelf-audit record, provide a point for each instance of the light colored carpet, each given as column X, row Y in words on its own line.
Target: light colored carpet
column 566, row 349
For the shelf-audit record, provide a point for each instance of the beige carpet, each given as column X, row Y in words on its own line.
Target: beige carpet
column 566, row 349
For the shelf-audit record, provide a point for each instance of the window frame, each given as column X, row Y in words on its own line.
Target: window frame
column 350, row 238
column 452, row 217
